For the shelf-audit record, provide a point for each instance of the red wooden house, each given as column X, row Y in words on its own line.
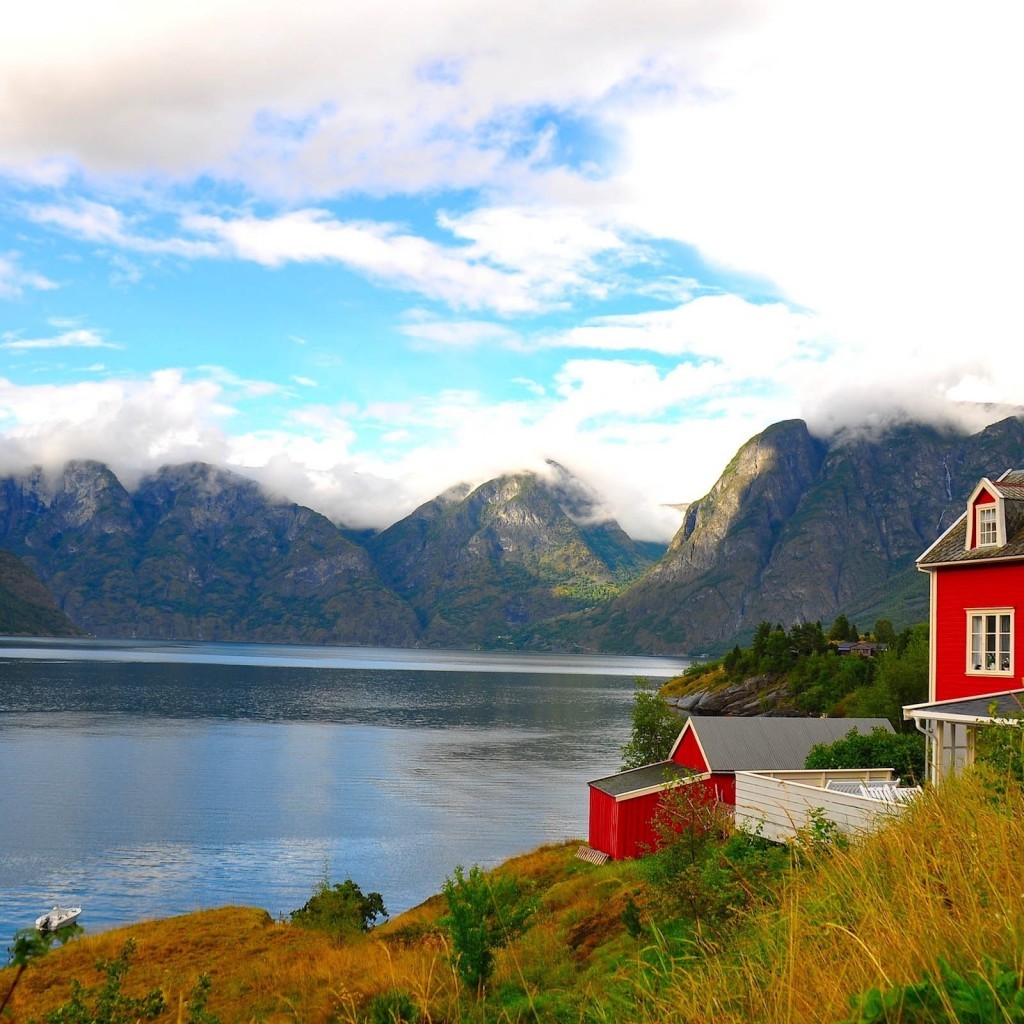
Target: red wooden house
column 976, row 571
column 708, row 752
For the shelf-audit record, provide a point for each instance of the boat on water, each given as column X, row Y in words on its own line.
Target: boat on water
column 59, row 917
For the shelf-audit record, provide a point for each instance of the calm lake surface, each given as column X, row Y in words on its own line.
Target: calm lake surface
column 144, row 779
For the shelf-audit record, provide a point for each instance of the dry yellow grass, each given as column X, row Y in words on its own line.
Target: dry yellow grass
column 260, row 969
column 942, row 882
column 274, row 972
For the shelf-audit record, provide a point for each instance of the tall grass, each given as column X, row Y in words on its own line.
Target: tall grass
column 943, row 882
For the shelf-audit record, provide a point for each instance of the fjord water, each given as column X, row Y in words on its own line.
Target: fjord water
column 143, row 780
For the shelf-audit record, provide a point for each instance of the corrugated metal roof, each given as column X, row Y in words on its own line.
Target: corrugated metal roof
column 771, row 744
column 637, row 779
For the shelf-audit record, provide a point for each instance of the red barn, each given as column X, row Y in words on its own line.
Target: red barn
column 976, row 571
column 708, row 752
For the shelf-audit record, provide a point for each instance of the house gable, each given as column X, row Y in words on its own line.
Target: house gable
column 994, row 514
column 687, row 749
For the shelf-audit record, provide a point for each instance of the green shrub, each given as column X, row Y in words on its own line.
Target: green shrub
column 341, row 909
column 903, row 752
column 655, row 728
column 976, row 997
column 393, row 1007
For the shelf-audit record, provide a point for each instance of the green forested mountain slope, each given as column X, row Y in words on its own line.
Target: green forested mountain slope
column 491, row 563
column 26, row 607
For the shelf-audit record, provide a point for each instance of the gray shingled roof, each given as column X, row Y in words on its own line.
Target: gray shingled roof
column 1007, row 705
column 637, row 779
column 771, row 744
column 950, row 547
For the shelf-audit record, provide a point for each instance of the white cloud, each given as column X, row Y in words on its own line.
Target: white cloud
column 105, row 225
column 326, row 96
column 556, row 247
column 744, row 336
column 14, row 280
column 133, row 425
column 76, row 337
column 460, row 334
column 859, row 160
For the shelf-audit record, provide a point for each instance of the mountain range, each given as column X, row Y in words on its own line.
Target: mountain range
column 796, row 528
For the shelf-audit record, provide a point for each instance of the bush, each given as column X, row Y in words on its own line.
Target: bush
column 903, row 752
column 972, row 998
column 393, row 1007
column 341, row 909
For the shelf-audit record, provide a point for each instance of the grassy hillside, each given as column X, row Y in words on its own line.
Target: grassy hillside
column 621, row 942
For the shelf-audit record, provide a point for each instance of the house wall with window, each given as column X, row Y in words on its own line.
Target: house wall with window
column 975, row 632
column 977, row 615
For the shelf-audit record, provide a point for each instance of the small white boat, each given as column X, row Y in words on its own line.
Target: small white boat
column 59, row 917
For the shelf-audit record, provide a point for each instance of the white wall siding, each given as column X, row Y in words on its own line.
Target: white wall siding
column 781, row 802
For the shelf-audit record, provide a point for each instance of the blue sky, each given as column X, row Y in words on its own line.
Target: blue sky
column 364, row 252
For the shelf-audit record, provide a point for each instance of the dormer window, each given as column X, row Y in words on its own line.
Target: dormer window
column 988, row 533
column 986, row 517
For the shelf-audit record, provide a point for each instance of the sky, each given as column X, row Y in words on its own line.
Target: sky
column 363, row 252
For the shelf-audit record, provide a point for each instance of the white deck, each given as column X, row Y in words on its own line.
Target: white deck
column 780, row 802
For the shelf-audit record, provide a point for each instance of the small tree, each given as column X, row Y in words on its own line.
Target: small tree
column 884, row 632
column 842, row 629
column 340, row 909
column 655, row 728
column 484, row 913
column 689, row 823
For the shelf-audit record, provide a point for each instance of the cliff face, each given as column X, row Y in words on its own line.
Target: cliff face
column 796, row 530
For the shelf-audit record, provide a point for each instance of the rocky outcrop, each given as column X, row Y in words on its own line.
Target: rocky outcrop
column 758, row 695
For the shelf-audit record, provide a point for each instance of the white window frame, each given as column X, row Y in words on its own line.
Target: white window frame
column 990, row 643
column 987, row 526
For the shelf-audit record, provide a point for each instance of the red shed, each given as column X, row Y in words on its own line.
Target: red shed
column 709, row 751
column 976, row 571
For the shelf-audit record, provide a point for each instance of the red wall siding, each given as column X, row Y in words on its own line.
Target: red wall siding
column 688, row 752
column 622, row 828
column 602, row 822
column 634, row 836
column 725, row 787
column 993, row 585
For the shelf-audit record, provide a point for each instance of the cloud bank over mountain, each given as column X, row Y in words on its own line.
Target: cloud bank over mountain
column 363, row 253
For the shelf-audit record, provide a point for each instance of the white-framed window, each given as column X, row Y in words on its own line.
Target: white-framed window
column 990, row 641
column 988, row 531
